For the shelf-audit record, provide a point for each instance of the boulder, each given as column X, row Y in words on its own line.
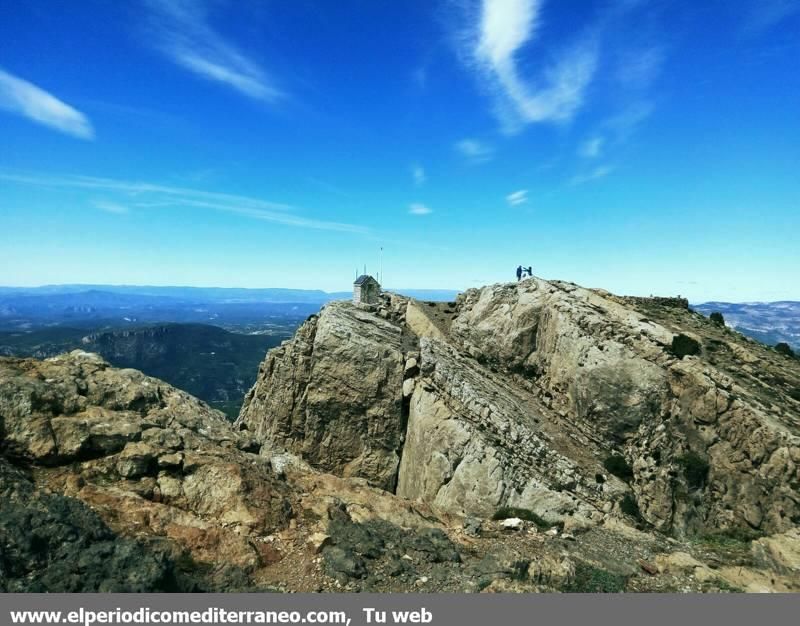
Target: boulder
column 333, row 395
column 136, row 460
column 512, row 523
column 779, row 553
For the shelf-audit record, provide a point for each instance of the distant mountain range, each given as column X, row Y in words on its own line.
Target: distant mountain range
column 217, row 294
column 112, row 306
column 192, row 294
column 101, row 309
column 209, row 362
column 208, row 341
column 768, row 322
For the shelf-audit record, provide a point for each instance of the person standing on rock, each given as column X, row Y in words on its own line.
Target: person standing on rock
column 519, row 272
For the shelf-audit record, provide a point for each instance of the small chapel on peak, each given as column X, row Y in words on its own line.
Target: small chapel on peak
column 366, row 290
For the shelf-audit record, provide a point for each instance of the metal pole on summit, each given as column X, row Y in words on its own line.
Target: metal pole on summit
column 380, row 269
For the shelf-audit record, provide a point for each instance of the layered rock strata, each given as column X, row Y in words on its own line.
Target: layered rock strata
column 529, row 395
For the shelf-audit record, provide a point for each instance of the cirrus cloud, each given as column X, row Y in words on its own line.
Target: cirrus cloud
column 474, row 151
column 26, row 99
column 597, row 173
column 418, row 173
column 517, row 197
column 111, row 207
column 501, row 29
column 592, row 147
column 182, row 32
column 419, row 209
column 144, row 195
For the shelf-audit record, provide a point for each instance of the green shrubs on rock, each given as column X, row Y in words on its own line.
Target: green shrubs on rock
column 717, row 318
column 730, row 538
column 784, row 348
column 683, row 345
column 591, row 579
column 618, row 466
column 695, row 469
column 629, row 506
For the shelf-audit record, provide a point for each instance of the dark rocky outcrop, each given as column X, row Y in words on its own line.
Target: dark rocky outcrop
column 52, row 543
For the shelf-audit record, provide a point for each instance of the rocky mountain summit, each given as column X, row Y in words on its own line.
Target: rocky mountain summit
column 521, row 395
column 534, row 436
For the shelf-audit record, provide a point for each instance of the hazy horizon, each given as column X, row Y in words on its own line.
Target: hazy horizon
column 346, row 291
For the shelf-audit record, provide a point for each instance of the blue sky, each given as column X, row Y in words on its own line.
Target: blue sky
column 639, row 146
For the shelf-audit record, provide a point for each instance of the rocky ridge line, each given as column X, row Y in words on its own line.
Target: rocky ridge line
column 517, row 395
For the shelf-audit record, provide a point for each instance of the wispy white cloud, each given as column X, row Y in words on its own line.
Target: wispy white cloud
column 419, row 209
column 518, row 197
column 149, row 195
column 182, row 32
column 626, row 122
column 420, row 77
column 596, row 174
column 635, row 72
column 26, row 99
column 616, row 129
column 761, row 15
column 501, row 29
column 475, row 151
column 329, row 187
column 592, row 147
column 111, row 207
column 137, row 188
column 418, row 173
column 639, row 67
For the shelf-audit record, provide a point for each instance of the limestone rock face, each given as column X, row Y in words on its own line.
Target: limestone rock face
column 517, row 395
column 476, row 444
column 780, row 553
column 147, row 458
column 579, row 347
column 706, row 452
column 333, row 395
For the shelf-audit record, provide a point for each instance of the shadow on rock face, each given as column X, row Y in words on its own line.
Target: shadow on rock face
column 369, row 552
column 56, row 544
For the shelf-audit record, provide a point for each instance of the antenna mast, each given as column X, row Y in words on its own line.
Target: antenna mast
column 380, row 271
